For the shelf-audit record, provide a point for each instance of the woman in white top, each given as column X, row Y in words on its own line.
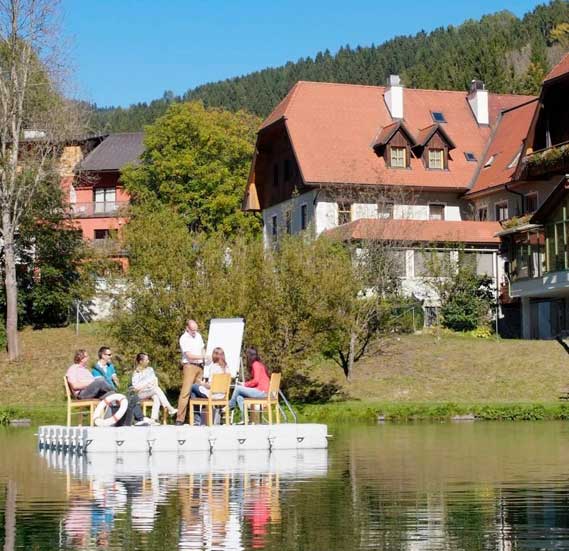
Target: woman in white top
column 218, row 366
column 145, row 384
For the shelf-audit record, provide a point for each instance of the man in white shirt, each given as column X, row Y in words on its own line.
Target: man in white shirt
column 193, row 358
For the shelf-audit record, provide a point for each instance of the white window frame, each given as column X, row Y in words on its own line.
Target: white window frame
column 344, row 210
column 385, row 210
column 105, row 199
column 500, row 205
column 443, row 205
column 395, row 160
column 433, row 161
column 478, row 209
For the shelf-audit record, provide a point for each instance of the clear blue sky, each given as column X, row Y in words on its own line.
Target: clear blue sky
column 125, row 51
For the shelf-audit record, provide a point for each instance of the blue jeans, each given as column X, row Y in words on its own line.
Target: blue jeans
column 196, row 393
column 242, row 392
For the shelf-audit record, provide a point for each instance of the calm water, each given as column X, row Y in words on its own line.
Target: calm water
column 440, row 486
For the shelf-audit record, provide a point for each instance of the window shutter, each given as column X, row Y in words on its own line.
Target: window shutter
column 408, row 157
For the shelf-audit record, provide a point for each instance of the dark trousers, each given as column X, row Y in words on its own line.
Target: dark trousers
column 99, row 388
column 133, row 411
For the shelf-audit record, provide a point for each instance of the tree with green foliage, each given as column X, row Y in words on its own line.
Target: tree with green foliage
column 466, row 298
column 289, row 296
column 34, row 121
column 52, row 273
column 197, row 161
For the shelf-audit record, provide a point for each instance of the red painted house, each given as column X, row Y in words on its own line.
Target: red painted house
column 91, row 180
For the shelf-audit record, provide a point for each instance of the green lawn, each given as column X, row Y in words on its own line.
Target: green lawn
column 410, row 373
column 416, row 368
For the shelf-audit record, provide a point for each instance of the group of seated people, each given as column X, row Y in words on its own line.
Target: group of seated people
column 101, row 380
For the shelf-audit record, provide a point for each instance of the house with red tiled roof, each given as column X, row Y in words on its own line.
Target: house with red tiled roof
column 90, row 179
column 537, row 248
column 362, row 162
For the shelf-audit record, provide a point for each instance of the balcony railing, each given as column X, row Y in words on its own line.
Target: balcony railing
column 108, row 246
column 546, row 162
column 98, row 209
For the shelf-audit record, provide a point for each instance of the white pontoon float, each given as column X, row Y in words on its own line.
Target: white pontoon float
column 171, row 438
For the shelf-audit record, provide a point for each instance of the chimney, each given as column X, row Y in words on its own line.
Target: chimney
column 478, row 100
column 394, row 97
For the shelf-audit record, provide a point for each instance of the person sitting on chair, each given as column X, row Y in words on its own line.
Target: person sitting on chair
column 218, row 367
column 82, row 382
column 256, row 387
column 145, row 384
column 104, row 368
column 84, row 386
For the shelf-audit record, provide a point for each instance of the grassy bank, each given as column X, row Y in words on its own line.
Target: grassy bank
column 408, row 377
column 372, row 412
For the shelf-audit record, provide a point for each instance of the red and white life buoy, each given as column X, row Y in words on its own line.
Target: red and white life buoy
column 99, row 415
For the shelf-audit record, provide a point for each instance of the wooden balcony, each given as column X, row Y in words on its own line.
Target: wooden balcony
column 546, row 162
column 111, row 209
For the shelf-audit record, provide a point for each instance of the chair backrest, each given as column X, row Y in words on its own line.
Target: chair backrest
column 274, row 386
column 67, row 389
column 220, row 383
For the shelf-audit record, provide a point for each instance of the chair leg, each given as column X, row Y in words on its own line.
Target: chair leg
column 245, row 413
column 278, row 413
column 68, row 415
column 227, row 414
column 191, row 407
column 164, row 416
column 270, row 413
column 91, row 413
column 209, row 415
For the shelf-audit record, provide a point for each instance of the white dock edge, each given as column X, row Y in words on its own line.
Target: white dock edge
column 183, row 439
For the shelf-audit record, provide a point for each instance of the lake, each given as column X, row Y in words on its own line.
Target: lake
column 502, row 486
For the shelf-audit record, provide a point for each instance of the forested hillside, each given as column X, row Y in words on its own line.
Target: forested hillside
column 509, row 54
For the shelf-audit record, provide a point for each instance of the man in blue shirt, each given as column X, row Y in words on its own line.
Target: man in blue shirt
column 104, row 367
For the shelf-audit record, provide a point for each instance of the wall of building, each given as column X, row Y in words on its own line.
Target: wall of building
column 514, row 202
column 291, row 208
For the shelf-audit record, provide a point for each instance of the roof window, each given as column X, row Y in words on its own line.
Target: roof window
column 470, row 157
column 438, row 116
column 489, row 161
column 515, row 160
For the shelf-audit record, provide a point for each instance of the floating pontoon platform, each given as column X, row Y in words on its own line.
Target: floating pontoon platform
column 182, row 439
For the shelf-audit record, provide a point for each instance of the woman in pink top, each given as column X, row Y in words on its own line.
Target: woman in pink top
column 256, row 387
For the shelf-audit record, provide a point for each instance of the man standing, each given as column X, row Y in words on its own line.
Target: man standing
column 193, row 358
column 104, row 368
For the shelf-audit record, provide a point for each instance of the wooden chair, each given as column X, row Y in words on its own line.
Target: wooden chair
column 218, row 396
column 271, row 400
column 148, row 404
column 75, row 403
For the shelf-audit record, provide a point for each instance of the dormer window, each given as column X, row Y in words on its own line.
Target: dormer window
column 398, row 157
column 436, row 159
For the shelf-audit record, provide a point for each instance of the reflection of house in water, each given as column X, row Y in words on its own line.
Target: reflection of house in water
column 226, row 500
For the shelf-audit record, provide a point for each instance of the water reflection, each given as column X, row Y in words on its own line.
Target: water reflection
column 486, row 486
column 222, row 501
